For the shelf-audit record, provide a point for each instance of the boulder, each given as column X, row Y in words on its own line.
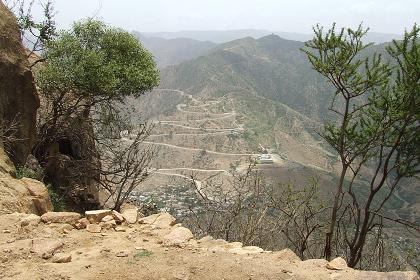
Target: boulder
column 178, row 237
column 120, row 229
column 81, row 223
column 108, row 224
column 94, row 228
column 337, row 264
column 248, row 250
column 61, row 258
column 119, row 219
column 61, row 217
column 41, row 197
column 95, row 216
column 45, row 248
column 205, row 239
column 15, row 196
column 107, row 218
column 161, row 220
column 30, row 220
column 130, row 215
column 287, row 255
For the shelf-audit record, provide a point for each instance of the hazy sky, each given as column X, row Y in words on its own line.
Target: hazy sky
column 388, row 16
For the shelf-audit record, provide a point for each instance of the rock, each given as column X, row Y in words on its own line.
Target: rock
column 248, row 250
column 287, row 255
column 205, row 239
column 122, row 254
column 108, row 225
column 161, row 220
column 93, row 228
column 41, row 197
column 82, row 223
column 232, row 245
column 61, row 217
column 61, row 258
column 79, row 226
column 130, row 215
column 45, row 248
column 18, row 95
column 178, row 237
column 66, row 228
column 119, row 219
column 16, row 197
column 107, row 218
column 96, row 216
column 30, row 220
column 120, row 229
column 337, row 264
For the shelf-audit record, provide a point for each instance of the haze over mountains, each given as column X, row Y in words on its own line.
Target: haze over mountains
column 173, row 51
column 170, row 48
column 223, row 36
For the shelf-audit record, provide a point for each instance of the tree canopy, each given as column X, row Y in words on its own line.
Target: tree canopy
column 96, row 62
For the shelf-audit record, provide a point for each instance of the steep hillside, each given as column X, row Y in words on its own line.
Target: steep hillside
column 270, row 67
column 244, row 95
column 173, row 51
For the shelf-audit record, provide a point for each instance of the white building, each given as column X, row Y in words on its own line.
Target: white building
column 265, row 158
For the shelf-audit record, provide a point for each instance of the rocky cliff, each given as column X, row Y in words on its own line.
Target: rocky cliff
column 18, row 96
column 18, row 105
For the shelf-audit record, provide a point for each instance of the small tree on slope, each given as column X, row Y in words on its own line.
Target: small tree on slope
column 89, row 72
column 376, row 135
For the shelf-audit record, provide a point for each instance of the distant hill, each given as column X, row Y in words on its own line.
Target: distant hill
column 230, row 35
column 270, row 67
column 278, row 100
column 173, row 51
column 213, row 36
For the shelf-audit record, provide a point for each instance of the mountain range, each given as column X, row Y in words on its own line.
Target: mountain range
column 276, row 97
column 219, row 36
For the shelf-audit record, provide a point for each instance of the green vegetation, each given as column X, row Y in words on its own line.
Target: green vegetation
column 57, row 201
column 90, row 72
column 22, row 171
column 142, row 254
column 375, row 128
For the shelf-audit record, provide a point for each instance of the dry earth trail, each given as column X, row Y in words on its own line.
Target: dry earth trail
column 149, row 250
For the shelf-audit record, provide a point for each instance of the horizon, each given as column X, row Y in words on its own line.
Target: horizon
column 268, row 15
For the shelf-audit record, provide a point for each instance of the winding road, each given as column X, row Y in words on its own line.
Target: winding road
column 205, row 131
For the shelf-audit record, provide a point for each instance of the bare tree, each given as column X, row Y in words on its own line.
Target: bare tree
column 125, row 164
column 249, row 210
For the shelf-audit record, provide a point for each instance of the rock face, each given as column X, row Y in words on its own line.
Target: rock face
column 25, row 195
column 18, row 106
column 18, row 96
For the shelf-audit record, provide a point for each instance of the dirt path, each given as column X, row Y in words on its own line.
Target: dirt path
column 150, row 252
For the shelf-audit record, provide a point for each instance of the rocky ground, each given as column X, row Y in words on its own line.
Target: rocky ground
column 109, row 245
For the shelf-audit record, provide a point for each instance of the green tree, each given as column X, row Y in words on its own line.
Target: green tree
column 89, row 74
column 90, row 70
column 376, row 127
